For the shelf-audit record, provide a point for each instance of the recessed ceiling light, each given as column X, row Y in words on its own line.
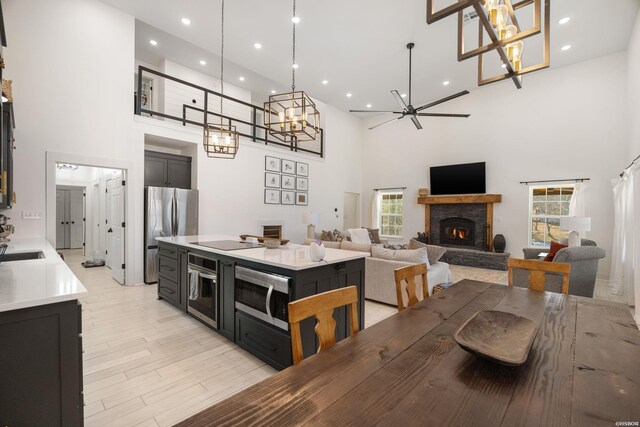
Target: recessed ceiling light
column 404, row 95
column 257, row 45
column 349, row 95
column 564, row 20
column 566, row 47
column 203, row 62
column 186, row 21
column 295, row 19
column 153, row 43
column 241, row 78
column 446, row 82
column 273, row 91
column 369, row 105
column 295, row 66
column 324, row 82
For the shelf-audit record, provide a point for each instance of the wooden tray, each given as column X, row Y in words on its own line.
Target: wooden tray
column 499, row 336
column 261, row 239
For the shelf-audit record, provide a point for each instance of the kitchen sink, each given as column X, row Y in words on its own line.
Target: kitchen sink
column 21, row 256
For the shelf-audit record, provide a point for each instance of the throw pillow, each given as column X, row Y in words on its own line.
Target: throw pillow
column 327, row 236
column 359, row 235
column 374, row 235
column 553, row 250
column 395, row 247
column 339, row 235
column 416, row 256
column 433, row 252
column 359, row 247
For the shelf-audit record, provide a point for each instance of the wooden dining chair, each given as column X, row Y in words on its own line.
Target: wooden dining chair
column 408, row 274
column 537, row 272
column 321, row 306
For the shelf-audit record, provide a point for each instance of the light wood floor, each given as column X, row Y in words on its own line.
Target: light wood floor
column 148, row 364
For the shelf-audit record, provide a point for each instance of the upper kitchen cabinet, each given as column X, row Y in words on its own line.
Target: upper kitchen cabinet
column 6, row 156
column 166, row 170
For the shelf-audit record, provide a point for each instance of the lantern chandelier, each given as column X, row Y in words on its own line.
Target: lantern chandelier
column 497, row 18
column 220, row 139
column 292, row 117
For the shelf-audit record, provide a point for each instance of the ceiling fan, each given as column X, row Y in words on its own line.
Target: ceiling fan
column 410, row 110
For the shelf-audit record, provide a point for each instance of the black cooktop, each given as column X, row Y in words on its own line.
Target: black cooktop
column 227, row 245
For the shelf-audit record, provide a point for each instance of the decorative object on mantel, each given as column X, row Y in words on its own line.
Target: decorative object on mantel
column 7, row 94
column 506, row 36
column 499, row 243
column 221, row 140
column 311, row 219
column 498, row 336
column 316, row 250
column 286, row 182
column 575, row 225
column 410, row 110
column 292, row 116
column 261, row 239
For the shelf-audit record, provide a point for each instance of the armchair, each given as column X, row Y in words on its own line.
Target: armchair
column 584, row 268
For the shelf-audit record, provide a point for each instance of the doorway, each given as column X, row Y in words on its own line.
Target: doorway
column 90, row 215
column 351, row 211
column 70, row 217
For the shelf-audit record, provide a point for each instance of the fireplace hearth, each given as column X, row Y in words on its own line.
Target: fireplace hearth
column 457, row 231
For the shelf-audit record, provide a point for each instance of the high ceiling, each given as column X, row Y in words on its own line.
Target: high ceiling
column 357, row 45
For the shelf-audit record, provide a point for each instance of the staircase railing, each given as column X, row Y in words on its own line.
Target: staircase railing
column 250, row 129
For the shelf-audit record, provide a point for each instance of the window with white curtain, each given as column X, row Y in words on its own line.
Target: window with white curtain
column 390, row 213
column 547, row 204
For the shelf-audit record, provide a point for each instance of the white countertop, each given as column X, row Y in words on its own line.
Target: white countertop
column 36, row 282
column 290, row 256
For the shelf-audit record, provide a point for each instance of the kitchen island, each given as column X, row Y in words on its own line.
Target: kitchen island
column 247, row 289
column 40, row 335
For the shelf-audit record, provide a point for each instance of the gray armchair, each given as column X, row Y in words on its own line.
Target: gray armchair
column 584, row 268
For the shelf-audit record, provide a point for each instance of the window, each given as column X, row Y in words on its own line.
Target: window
column 547, row 204
column 391, row 214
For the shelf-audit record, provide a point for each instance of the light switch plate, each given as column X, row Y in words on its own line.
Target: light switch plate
column 31, row 215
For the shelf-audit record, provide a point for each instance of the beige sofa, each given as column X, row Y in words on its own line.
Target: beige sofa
column 379, row 279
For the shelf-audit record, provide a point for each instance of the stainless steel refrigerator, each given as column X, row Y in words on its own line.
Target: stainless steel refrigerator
column 168, row 212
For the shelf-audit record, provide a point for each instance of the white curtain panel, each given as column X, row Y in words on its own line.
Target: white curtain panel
column 376, row 205
column 626, row 238
column 577, row 203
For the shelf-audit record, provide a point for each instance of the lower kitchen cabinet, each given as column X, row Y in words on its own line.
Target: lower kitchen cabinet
column 226, row 283
column 269, row 343
column 173, row 276
column 41, row 366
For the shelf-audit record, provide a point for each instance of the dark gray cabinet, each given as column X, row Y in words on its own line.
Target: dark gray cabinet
column 166, row 170
column 226, row 281
column 41, row 366
column 6, row 156
column 173, row 275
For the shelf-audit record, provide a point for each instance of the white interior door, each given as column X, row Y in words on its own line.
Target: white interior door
column 94, row 251
column 351, row 213
column 117, row 226
column 61, row 219
column 76, row 218
column 108, row 231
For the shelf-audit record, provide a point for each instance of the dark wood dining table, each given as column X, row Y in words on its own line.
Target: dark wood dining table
column 583, row 369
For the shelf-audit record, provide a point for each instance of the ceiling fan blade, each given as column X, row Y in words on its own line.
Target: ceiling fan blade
column 442, row 115
column 415, row 121
column 385, row 123
column 399, row 99
column 374, row 111
column 443, row 100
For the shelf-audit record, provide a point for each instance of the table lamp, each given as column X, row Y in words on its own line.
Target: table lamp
column 311, row 219
column 575, row 225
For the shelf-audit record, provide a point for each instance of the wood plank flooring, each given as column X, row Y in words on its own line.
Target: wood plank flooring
column 148, row 364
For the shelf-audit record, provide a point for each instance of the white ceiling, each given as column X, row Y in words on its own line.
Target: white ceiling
column 357, row 45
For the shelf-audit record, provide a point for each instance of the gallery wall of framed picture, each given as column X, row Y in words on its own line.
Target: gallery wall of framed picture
column 286, row 182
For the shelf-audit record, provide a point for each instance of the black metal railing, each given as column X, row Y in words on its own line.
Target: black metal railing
column 253, row 130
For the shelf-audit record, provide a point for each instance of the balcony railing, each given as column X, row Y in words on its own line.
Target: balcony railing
column 194, row 105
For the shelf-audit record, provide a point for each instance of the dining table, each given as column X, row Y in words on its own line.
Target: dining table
column 583, row 369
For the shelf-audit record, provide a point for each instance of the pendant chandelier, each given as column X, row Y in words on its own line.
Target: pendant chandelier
column 497, row 19
column 292, row 117
column 221, row 139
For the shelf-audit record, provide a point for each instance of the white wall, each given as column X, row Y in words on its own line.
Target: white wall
column 568, row 122
column 633, row 62
column 70, row 62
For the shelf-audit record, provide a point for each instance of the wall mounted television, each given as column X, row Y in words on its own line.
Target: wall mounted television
column 468, row 178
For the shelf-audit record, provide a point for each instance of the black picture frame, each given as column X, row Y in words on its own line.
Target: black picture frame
column 286, row 179
column 302, row 198
column 272, row 180
column 302, row 184
column 288, row 166
column 272, row 164
column 288, row 197
column 302, row 169
column 268, row 199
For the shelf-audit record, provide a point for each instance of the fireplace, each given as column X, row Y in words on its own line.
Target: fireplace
column 457, row 231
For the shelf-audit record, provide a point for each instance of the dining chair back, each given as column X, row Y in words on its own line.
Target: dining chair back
column 537, row 272
column 408, row 275
column 321, row 306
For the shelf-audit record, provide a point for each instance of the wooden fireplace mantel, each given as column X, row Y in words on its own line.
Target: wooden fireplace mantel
column 460, row 198
column 488, row 199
